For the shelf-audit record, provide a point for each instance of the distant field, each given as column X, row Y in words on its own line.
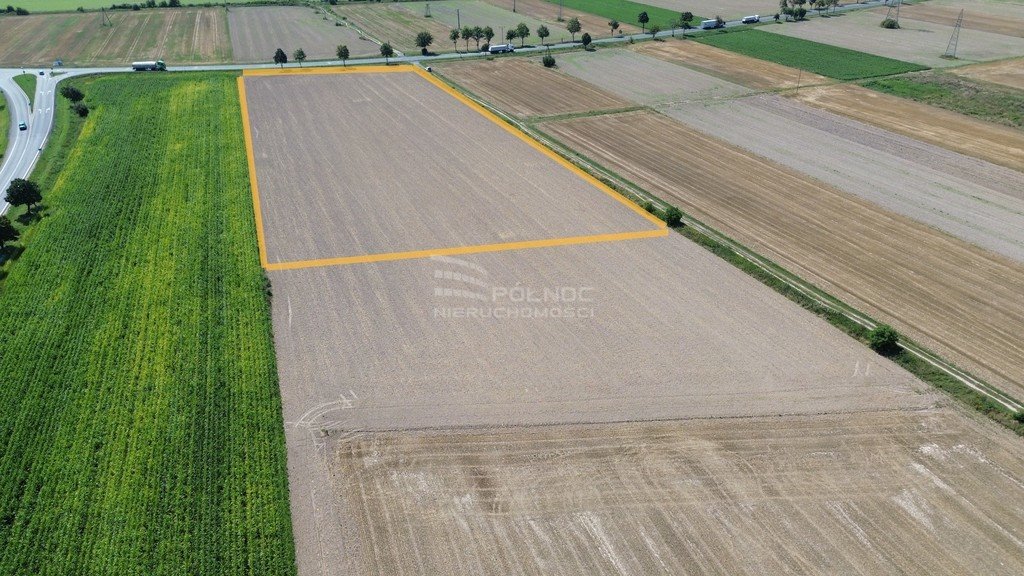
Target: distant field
column 258, row 31
column 916, row 41
column 176, row 36
column 390, row 22
column 140, row 413
column 34, row 6
column 479, row 13
column 596, row 26
column 984, row 101
column 623, row 10
column 824, row 59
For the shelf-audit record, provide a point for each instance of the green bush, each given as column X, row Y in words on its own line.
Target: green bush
column 673, row 216
column 890, row 24
column 884, row 339
column 549, row 61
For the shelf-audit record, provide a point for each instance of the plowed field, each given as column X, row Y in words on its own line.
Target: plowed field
column 918, row 493
column 176, row 36
column 991, row 142
column 963, row 301
column 1008, row 72
column 525, row 88
column 256, row 32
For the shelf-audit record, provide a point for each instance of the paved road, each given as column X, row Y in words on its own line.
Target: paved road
column 24, row 148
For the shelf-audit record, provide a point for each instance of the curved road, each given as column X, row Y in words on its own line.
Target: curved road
column 24, row 148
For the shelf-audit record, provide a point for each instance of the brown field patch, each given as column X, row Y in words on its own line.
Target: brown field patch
column 960, row 300
column 875, row 493
column 394, row 176
column 974, row 19
column 392, row 23
column 971, row 199
column 181, row 36
column 548, row 12
column 743, row 70
column 523, row 87
column 1007, row 73
column 991, row 142
column 257, row 31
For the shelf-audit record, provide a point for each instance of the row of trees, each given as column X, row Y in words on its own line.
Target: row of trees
column 18, row 11
column 795, row 10
column 486, row 33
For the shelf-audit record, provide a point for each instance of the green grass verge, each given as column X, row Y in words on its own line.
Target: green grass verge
column 824, row 59
column 625, row 12
column 27, row 82
column 985, row 101
column 140, row 411
column 5, row 125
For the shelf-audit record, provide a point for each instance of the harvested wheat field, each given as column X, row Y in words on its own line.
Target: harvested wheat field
column 1007, row 72
column 648, row 329
column 392, row 172
column 525, row 88
column 548, row 13
column 916, row 41
column 974, row 19
column 645, row 79
column 256, row 32
column 960, row 300
column 968, row 198
column 390, row 22
column 730, row 66
column 991, row 142
column 176, row 36
column 930, row 492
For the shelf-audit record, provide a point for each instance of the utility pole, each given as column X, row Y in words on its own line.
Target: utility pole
column 513, row 5
column 559, row 10
column 458, row 19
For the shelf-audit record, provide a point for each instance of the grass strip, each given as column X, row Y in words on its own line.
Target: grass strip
column 981, row 100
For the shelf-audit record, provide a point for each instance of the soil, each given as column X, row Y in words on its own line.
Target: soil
column 258, row 31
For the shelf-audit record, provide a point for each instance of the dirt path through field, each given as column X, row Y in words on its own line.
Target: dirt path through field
column 962, row 301
column 997, row 144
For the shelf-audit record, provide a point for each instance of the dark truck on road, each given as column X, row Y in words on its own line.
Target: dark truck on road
column 150, row 65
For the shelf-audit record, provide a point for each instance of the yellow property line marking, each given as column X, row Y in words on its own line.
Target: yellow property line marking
column 478, row 249
column 661, row 229
column 252, row 172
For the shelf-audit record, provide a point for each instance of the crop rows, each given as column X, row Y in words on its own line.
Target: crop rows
column 824, row 59
column 139, row 407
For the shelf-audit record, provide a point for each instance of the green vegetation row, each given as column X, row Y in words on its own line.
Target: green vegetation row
column 985, row 101
column 5, row 123
column 824, row 59
column 139, row 409
column 35, row 6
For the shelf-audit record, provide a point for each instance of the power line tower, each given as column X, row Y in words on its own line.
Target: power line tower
column 426, row 11
column 106, row 19
column 894, row 6
column 954, row 38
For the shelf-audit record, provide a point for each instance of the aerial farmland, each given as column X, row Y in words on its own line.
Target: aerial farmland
column 737, row 301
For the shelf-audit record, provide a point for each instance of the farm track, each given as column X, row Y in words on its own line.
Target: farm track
column 870, row 493
column 991, row 142
column 957, row 299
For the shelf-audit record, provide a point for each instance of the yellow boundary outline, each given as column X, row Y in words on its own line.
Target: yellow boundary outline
column 661, row 229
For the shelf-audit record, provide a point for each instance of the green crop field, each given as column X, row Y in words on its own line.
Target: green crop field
column 824, row 59
column 139, row 408
column 624, row 11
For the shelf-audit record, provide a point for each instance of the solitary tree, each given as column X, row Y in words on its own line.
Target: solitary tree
column 8, row 233
column 574, row 27
column 687, row 17
column 478, row 35
column 454, row 37
column 673, row 216
column 23, row 193
column 387, row 52
column 614, row 25
column 299, row 56
column 586, row 39
column 523, row 32
column 543, row 32
column 488, row 33
column 884, row 339
column 424, row 39
column 71, row 93
column 653, row 30
column 280, row 58
column 467, row 34
column 643, row 19
column 343, row 54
